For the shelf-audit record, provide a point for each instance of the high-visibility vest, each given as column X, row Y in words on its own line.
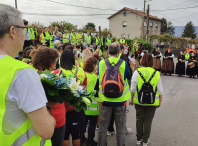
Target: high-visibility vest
column 88, row 40
column 98, row 52
column 32, row 36
column 70, row 73
column 24, row 135
column 108, row 42
column 66, row 40
column 122, row 41
column 25, row 59
column 117, row 42
column 52, row 41
column 126, row 92
column 147, row 73
column 97, row 41
column 81, row 64
column 78, row 35
column 101, row 44
column 73, row 38
column 135, row 46
column 93, row 108
column 46, row 37
column 187, row 56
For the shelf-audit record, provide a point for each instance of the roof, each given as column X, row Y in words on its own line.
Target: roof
column 137, row 12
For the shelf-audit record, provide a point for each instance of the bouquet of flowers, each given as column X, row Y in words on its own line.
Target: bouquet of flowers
column 59, row 89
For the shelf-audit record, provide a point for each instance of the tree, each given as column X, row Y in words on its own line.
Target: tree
column 63, row 25
column 90, row 26
column 167, row 27
column 189, row 31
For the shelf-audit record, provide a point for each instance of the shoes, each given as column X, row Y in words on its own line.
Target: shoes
column 109, row 133
column 97, row 127
column 93, row 143
column 139, row 142
column 146, row 144
column 129, row 131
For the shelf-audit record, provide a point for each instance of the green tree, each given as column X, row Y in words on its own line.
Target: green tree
column 90, row 26
column 167, row 27
column 63, row 25
column 189, row 31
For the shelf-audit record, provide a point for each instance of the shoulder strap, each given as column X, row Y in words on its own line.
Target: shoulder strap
column 141, row 76
column 107, row 63
column 152, row 76
column 119, row 63
column 77, row 69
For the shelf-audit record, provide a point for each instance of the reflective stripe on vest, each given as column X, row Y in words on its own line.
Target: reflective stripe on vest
column 122, row 41
column 93, row 109
column 32, row 36
column 147, row 72
column 97, row 41
column 126, row 92
column 88, row 40
column 66, row 40
column 73, row 38
column 108, row 42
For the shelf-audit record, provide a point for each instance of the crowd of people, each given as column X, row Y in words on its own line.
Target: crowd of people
column 29, row 119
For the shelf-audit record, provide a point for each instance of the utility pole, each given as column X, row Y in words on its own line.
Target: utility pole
column 16, row 4
column 147, row 30
column 100, row 35
column 143, row 20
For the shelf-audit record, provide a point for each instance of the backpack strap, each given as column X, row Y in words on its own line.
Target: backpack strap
column 107, row 63
column 77, row 69
column 141, row 76
column 119, row 63
column 152, row 76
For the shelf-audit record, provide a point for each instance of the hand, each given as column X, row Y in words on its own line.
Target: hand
column 131, row 102
column 159, row 105
column 51, row 104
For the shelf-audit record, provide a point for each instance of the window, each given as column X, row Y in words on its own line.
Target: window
column 125, row 13
column 145, row 24
column 124, row 24
column 156, row 25
column 151, row 24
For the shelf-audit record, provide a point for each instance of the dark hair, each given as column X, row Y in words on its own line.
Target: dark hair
column 77, row 46
column 70, row 47
column 60, row 47
column 89, row 64
column 25, row 22
column 132, row 55
column 28, row 54
column 25, row 50
column 65, row 45
column 67, row 59
column 84, row 47
column 96, row 56
column 147, row 60
column 44, row 58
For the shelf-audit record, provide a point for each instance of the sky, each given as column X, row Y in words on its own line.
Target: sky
column 60, row 7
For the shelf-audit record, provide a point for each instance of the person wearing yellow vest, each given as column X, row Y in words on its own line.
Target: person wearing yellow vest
column 96, row 42
column 145, row 102
column 79, row 37
column 46, row 36
column 73, row 38
column 98, row 51
column 122, row 41
column 66, row 37
column 24, row 118
column 102, row 43
column 187, row 55
column 108, row 41
column 92, row 111
column 117, row 42
column 116, row 105
column 87, row 40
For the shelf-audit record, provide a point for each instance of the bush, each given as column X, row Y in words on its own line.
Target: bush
column 147, row 45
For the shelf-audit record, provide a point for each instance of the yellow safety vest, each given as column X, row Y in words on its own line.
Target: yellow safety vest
column 122, row 41
column 93, row 108
column 66, row 40
column 73, row 38
column 147, row 73
column 24, row 135
column 88, row 39
column 78, row 35
column 99, row 52
column 108, row 42
column 126, row 92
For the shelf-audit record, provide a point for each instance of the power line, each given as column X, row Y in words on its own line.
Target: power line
column 176, row 8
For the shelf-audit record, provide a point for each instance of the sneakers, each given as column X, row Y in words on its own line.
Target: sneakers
column 146, row 144
column 139, row 142
column 97, row 127
column 93, row 143
column 109, row 133
column 129, row 131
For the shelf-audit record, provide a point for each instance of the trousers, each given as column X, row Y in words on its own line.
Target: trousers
column 120, row 121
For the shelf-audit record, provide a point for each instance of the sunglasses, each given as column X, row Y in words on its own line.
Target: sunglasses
column 18, row 27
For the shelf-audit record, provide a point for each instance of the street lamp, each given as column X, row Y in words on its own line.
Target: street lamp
column 143, row 18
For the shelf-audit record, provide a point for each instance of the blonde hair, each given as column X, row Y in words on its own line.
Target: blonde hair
column 86, row 54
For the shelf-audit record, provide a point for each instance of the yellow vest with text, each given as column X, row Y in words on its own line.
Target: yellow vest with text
column 93, row 108
column 126, row 92
column 24, row 135
column 70, row 73
column 147, row 73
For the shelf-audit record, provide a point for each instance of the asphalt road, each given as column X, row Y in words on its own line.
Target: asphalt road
column 176, row 121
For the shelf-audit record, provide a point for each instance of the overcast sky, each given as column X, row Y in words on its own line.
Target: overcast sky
column 178, row 17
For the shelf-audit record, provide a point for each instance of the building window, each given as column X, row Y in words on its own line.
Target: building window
column 124, row 24
column 125, row 13
column 151, row 24
column 156, row 25
column 145, row 24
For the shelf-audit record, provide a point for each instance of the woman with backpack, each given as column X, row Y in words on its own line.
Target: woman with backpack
column 92, row 112
column 146, row 98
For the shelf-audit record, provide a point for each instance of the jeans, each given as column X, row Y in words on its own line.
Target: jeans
column 87, row 45
column 120, row 121
column 58, row 136
column 144, row 118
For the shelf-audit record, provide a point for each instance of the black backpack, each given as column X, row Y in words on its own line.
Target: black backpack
column 146, row 95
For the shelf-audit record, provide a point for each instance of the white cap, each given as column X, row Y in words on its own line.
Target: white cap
column 57, row 42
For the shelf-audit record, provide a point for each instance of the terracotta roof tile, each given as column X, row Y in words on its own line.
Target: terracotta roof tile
column 135, row 11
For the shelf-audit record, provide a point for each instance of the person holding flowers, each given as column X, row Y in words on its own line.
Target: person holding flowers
column 45, row 59
column 92, row 111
